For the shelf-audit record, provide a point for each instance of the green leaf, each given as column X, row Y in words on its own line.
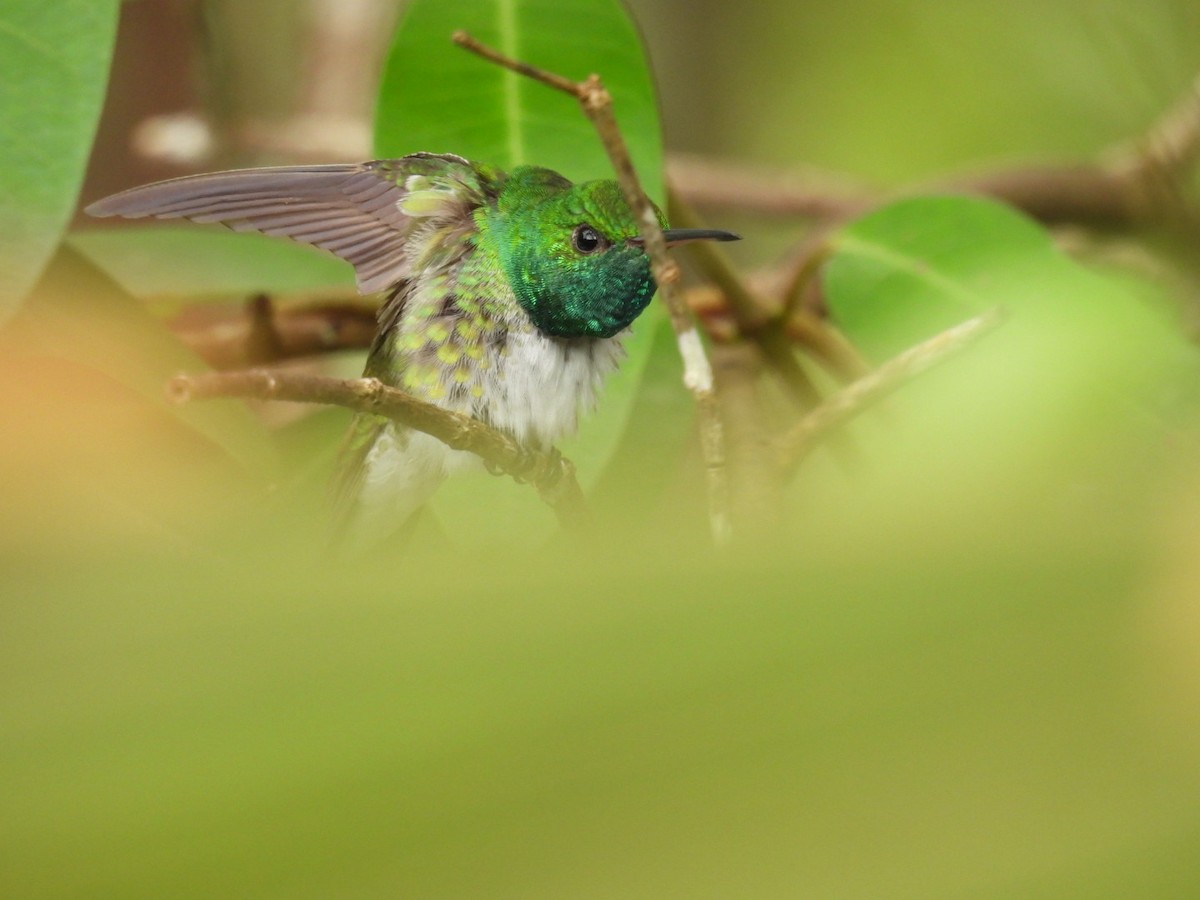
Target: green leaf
column 54, row 61
column 918, row 266
column 169, row 261
column 1011, row 434
column 438, row 97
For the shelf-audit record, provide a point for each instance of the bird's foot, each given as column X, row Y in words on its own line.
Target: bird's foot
column 531, row 465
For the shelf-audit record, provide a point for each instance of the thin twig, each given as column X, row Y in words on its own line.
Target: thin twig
column 550, row 473
column 803, row 266
column 800, row 440
column 596, row 103
column 550, row 79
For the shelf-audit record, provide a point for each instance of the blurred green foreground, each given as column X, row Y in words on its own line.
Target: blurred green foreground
column 943, row 679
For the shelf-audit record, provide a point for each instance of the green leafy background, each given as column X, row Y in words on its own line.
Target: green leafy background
column 53, row 65
column 964, row 664
column 504, row 118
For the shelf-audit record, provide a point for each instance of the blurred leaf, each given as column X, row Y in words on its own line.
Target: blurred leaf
column 95, row 459
column 53, row 68
column 918, row 266
column 158, row 261
column 910, row 270
column 594, row 727
column 1069, row 402
column 438, row 97
column 78, row 313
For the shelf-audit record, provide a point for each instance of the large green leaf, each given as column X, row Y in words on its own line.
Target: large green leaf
column 1012, row 432
column 918, row 266
column 440, row 98
column 53, row 64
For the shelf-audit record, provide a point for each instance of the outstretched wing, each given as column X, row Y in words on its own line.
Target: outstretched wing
column 363, row 213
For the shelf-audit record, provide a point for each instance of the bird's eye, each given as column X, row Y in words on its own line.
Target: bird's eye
column 587, row 239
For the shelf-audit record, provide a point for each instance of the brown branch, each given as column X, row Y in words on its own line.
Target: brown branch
column 1085, row 193
column 596, row 104
column 802, row 268
column 807, row 194
column 550, row 473
column 803, row 437
column 802, row 319
column 1133, row 184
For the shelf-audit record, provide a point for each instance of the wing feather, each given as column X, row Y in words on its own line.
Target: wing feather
column 354, row 211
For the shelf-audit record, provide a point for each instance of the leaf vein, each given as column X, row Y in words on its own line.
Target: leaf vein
column 911, row 266
column 512, row 81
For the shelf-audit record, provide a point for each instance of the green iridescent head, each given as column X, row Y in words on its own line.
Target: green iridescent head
column 571, row 253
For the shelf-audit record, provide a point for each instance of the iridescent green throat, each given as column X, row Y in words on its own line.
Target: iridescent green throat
column 569, row 253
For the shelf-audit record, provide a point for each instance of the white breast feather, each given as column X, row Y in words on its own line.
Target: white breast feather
column 543, row 383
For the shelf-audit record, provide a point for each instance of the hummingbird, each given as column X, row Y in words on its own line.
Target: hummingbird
column 506, row 296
